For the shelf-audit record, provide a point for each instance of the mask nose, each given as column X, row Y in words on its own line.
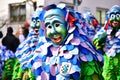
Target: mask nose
column 53, row 30
column 115, row 18
column 33, row 25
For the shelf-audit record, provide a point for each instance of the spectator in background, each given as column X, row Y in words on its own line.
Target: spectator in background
column 6, row 62
column 25, row 31
column 10, row 41
column 22, row 32
column 1, row 34
column 26, row 28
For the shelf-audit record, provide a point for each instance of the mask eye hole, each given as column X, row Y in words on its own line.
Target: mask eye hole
column 57, row 25
column 49, row 27
column 118, row 15
column 38, row 23
column 34, row 21
column 38, row 20
column 112, row 16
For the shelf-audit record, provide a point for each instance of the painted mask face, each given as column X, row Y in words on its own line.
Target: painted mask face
column 35, row 24
column 56, row 28
column 115, row 17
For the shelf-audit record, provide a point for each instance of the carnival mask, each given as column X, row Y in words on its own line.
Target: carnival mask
column 56, row 27
column 36, row 21
column 115, row 16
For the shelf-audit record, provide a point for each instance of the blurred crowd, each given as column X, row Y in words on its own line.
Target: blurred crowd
column 10, row 42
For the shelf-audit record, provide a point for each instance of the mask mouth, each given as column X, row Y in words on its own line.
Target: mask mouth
column 57, row 39
column 115, row 23
column 36, row 30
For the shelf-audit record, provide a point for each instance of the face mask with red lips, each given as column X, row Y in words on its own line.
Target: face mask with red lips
column 115, row 16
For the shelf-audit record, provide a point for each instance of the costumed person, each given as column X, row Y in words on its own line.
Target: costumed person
column 92, row 24
column 26, row 47
column 108, row 40
column 68, row 53
column 7, row 60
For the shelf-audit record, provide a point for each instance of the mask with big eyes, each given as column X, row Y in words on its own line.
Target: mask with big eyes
column 115, row 19
column 114, row 16
column 35, row 24
column 56, row 27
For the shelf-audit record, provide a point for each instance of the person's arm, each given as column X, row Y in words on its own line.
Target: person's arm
column 100, row 39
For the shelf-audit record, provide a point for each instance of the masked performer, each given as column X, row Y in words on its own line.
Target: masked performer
column 67, row 53
column 25, row 48
column 108, row 40
column 92, row 24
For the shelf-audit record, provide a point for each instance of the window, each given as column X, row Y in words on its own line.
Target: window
column 17, row 12
column 100, row 15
